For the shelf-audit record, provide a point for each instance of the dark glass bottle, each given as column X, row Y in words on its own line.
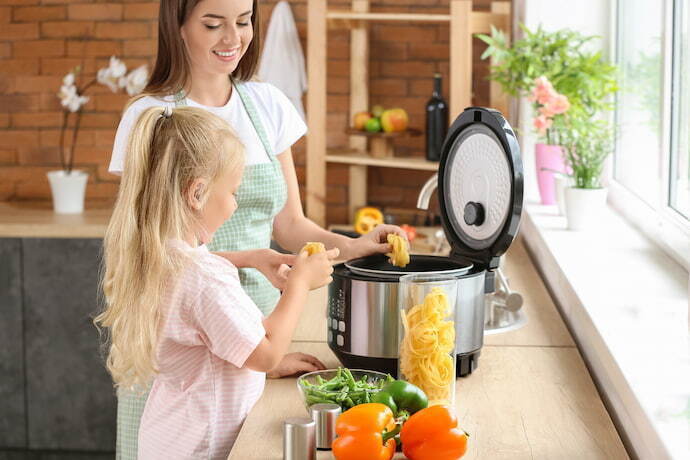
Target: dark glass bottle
column 436, row 122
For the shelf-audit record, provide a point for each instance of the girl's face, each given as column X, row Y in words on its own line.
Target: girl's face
column 220, row 205
column 217, row 34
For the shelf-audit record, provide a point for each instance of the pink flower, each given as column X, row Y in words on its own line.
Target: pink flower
column 543, row 91
column 558, row 104
column 542, row 123
column 547, row 111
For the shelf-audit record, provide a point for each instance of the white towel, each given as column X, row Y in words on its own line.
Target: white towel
column 282, row 60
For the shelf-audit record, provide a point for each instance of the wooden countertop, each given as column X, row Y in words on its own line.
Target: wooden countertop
column 37, row 220
column 530, row 397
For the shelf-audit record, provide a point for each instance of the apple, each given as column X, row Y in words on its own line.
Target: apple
column 373, row 125
column 361, row 119
column 394, row 120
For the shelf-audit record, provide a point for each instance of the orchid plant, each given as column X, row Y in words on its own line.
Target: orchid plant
column 73, row 100
column 550, row 106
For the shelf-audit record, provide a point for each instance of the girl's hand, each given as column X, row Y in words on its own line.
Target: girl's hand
column 374, row 242
column 313, row 270
column 274, row 266
column 295, row 363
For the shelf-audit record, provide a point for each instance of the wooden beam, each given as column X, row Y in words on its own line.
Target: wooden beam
column 498, row 99
column 316, row 111
column 358, row 189
column 460, row 57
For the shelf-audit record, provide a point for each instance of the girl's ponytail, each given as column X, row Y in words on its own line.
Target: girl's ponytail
column 168, row 149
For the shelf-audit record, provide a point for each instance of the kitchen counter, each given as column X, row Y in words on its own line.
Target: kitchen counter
column 530, row 397
column 37, row 220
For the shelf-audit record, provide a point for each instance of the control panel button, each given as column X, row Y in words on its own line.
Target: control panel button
column 341, row 326
column 330, row 336
column 340, row 340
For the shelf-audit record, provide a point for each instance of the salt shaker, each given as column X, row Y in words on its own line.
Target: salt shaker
column 299, row 439
column 325, row 415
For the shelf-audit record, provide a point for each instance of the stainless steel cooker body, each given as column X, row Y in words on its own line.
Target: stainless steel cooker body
column 363, row 320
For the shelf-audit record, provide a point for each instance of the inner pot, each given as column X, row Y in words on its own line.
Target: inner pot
column 379, row 266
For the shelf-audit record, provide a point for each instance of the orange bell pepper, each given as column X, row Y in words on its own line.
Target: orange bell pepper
column 432, row 434
column 361, row 432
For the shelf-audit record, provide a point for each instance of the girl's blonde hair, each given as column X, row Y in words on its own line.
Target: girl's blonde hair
column 167, row 151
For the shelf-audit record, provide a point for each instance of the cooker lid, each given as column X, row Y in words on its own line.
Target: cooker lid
column 379, row 266
column 480, row 186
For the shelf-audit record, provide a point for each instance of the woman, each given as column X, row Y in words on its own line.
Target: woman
column 207, row 54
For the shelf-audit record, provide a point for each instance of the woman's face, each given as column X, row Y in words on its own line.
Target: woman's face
column 217, row 34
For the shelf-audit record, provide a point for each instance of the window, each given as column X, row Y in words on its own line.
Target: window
column 651, row 170
column 680, row 146
column 638, row 152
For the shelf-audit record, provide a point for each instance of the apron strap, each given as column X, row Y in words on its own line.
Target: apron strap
column 180, row 99
column 254, row 117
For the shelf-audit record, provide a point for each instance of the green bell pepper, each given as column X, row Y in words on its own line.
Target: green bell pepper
column 402, row 397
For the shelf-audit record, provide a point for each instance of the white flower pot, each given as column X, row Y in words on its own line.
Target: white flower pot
column 561, row 182
column 68, row 191
column 584, row 207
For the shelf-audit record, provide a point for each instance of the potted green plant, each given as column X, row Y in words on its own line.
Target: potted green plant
column 559, row 62
column 587, row 144
column 67, row 185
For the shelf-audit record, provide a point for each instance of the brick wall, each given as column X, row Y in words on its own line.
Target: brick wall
column 41, row 40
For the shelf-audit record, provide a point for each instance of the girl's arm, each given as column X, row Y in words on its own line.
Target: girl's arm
column 309, row 272
column 272, row 264
column 292, row 229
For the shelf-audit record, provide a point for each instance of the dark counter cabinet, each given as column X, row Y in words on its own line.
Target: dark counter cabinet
column 56, row 397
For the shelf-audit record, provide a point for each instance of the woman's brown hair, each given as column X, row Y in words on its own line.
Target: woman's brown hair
column 171, row 72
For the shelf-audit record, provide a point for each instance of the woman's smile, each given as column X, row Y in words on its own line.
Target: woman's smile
column 227, row 55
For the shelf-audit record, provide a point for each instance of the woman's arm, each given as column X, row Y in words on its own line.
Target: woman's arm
column 292, row 229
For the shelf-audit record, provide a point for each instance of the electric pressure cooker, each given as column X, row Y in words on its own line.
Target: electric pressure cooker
column 480, row 191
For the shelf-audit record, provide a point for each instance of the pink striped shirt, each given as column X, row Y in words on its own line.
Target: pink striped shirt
column 202, row 394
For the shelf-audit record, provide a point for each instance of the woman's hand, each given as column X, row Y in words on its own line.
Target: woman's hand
column 295, row 363
column 374, row 242
column 274, row 266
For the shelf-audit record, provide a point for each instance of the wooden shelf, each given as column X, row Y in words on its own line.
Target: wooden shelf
column 405, row 17
column 480, row 21
column 463, row 23
column 354, row 158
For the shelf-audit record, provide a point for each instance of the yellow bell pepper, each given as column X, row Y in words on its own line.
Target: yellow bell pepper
column 366, row 219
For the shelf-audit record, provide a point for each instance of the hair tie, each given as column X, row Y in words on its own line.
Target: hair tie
column 167, row 112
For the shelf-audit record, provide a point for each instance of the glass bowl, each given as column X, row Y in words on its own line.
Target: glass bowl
column 315, row 387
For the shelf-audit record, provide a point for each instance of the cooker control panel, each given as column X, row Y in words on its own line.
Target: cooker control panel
column 336, row 319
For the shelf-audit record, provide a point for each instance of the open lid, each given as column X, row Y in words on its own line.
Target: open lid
column 480, row 186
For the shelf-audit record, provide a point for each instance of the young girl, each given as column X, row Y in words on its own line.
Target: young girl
column 176, row 314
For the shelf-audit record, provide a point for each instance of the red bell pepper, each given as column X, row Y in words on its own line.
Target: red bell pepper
column 432, row 434
column 363, row 431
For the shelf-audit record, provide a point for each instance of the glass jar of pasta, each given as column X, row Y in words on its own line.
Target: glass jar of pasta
column 427, row 334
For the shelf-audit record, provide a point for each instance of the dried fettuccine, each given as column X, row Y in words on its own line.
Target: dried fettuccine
column 399, row 257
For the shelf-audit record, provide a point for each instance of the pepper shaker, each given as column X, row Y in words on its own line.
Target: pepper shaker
column 299, row 439
column 325, row 415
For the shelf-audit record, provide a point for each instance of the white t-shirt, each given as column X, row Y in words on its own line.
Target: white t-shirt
column 282, row 123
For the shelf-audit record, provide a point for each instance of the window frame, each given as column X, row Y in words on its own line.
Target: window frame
column 660, row 222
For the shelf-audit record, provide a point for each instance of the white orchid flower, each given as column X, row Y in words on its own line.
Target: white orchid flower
column 69, row 79
column 110, row 76
column 136, row 81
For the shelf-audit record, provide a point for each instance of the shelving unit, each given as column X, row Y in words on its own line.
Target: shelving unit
column 464, row 23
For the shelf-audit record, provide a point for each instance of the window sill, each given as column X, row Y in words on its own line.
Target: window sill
column 626, row 304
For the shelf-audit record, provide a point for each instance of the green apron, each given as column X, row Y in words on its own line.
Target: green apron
column 261, row 195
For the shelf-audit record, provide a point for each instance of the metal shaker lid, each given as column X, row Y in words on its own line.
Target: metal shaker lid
column 480, row 186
